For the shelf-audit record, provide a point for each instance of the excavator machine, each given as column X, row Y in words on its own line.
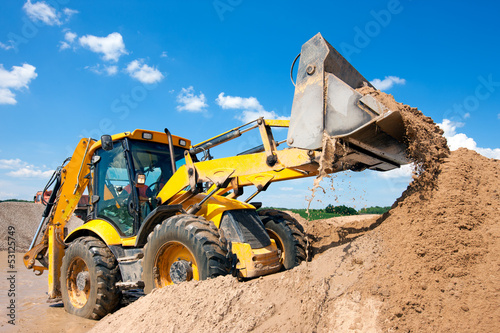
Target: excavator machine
column 163, row 211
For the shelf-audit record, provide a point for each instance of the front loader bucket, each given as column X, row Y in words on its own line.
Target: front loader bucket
column 326, row 102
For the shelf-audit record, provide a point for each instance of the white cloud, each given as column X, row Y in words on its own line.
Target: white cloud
column 387, row 83
column 190, row 102
column 69, row 39
column 7, row 195
column 249, row 115
column 286, row 189
column 7, row 46
column 111, row 47
column 17, row 78
column 164, row 54
column 70, row 36
column 69, row 12
column 458, row 140
column 236, row 102
column 7, row 97
column 30, row 172
column 12, row 164
column 251, row 107
column 64, row 45
column 42, row 12
column 111, row 70
column 106, row 70
column 21, row 169
column 404, row 172
column 144, row 73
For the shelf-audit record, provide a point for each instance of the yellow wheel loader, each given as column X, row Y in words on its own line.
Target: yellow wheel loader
column 162, row 211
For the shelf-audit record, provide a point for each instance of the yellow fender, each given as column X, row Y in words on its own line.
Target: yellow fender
column 101, row 228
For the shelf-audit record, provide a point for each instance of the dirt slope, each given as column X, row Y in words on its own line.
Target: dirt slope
column 439, row 268
column 25, row 217
column 292, row 301
column 327, row 233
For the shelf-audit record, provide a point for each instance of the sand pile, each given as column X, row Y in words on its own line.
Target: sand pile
column 292, row 301
column 25, row 217
column 439, row 269
column 324, row 234
column 431, row 266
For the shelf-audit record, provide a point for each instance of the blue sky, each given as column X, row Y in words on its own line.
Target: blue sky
column 84, row 68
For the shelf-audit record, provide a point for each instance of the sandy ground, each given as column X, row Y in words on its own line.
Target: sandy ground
column 430, row 265
column 33, row 313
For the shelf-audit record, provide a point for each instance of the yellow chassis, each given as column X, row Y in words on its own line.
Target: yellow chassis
column 226, row 174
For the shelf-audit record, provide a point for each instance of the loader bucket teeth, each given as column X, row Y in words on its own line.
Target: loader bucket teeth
column 326, row 102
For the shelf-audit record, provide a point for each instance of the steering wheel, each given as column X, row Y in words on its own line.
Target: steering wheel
column 155, row 188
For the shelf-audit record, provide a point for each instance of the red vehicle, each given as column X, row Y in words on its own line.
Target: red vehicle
column 80, row 211
column 38, row 197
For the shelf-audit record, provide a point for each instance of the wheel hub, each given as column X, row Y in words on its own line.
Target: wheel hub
column 82, row 279
column 181, row 271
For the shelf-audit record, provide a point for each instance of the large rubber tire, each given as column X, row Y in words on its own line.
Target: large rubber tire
column 288, row 235
column 89, row 272
column 187, row 239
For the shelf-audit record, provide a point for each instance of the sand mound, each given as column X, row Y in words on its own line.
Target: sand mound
column 292, row 301
column 327, row 233
column 431, row 266
column 439, row 267
column 25, row 217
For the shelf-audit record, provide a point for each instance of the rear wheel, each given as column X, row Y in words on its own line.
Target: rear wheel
column 183, row 248
column 89, row 272
column 288, row 235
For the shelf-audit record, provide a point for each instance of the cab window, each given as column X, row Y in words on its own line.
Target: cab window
column 114, row 189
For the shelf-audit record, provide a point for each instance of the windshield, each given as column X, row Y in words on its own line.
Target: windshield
column 113, row 181
column 153, row 160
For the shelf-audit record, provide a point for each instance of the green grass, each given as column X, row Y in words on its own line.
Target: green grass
column 319, row 214
column 374, row 210
column 314, row 214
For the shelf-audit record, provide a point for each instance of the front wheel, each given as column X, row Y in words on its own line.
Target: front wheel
column 288, row 235
column 89, row 272
column 183, row 248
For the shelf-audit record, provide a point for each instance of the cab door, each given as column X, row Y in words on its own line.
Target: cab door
column 114, row 187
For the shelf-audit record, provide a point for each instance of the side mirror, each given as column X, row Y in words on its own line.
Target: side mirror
column 106, row 142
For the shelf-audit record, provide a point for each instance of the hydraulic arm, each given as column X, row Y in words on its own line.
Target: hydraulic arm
column 71, row 181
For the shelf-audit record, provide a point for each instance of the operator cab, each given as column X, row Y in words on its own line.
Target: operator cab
column 128, row 176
